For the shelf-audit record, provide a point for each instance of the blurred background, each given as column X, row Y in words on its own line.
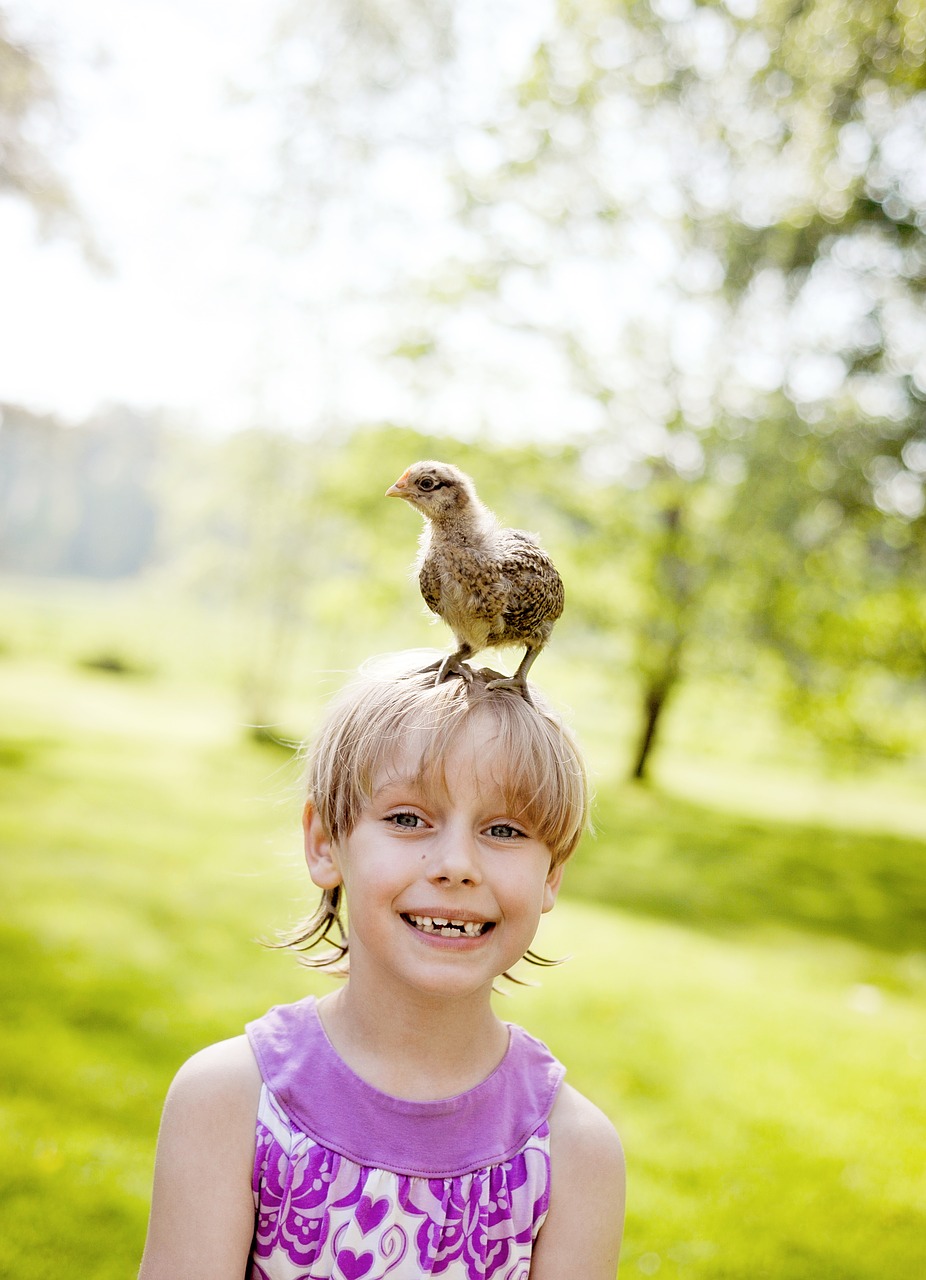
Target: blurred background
column 652, row 272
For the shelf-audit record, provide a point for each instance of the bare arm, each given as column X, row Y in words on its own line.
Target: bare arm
column 582, row 1232
column 202, row 1208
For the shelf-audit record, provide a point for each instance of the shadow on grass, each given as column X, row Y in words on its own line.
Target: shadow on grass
column 661, row 855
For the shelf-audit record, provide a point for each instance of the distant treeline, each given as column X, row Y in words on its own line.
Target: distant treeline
column 78, row 500
column 792, row 548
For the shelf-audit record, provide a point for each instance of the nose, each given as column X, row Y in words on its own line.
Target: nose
column 454, row 859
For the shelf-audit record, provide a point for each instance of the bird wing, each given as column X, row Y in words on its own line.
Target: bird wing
column 535, row 589
column 430, row 584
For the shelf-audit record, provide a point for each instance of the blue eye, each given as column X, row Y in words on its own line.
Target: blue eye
column 504, row 831
column 408, row 820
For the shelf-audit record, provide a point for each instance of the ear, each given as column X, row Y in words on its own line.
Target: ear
column 319, row 850
column 551, row 887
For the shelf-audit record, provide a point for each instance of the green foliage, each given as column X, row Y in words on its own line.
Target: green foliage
column 771, row 485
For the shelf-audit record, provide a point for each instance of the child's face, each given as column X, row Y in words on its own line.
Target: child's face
column 430, row 849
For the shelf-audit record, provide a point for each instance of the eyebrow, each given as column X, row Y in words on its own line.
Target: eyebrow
column 390, row 779
column 405, row 782
column 428, row 782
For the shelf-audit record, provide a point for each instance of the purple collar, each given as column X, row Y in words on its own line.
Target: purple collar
column 436, row 1139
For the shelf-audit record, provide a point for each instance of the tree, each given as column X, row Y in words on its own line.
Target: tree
column 29, row 132
column 79, row 500
column 760, row 386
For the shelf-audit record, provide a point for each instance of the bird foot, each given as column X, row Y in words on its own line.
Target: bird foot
column 512, row 682
column 452, row 666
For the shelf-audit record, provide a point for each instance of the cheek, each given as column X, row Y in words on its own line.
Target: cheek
column 369, row 874
column 527, row 887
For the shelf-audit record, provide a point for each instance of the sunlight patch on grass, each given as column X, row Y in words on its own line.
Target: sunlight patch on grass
column 876, row 800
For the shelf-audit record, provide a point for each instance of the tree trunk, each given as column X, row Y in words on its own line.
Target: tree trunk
column 652, row 710
column 654, row 704
column 661, row 662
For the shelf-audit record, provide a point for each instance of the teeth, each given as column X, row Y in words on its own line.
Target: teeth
column 447, row 928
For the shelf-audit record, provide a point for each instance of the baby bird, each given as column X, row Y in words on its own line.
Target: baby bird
column 492, row 586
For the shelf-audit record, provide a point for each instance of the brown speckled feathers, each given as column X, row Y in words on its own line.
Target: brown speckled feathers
column 492, row 586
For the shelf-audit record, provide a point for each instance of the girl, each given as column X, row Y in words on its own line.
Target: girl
column 397, row 1127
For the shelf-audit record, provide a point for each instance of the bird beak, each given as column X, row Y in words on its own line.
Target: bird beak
column 398, row 489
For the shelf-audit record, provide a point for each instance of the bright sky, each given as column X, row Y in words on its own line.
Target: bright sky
column 142, row 90
column 195, row 315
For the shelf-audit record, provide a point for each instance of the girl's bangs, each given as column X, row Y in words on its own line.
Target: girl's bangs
column 535, row 763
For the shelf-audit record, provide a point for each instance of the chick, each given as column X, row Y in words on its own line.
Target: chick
column 492, row 586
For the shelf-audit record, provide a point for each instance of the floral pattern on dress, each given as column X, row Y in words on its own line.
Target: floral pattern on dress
column 320, row 1216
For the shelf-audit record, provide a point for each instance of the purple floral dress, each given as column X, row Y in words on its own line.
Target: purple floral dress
column 354, row 1184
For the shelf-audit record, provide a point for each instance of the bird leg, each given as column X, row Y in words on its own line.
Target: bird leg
column 519, row 679
column 455, row 665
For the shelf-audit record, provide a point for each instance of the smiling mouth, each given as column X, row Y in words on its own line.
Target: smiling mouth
column 449, row 928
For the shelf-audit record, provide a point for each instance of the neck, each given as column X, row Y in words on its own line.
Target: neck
column 416, row 1047
column 472, row 521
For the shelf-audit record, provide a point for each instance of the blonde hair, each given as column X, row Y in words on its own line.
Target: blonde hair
column 540, row 767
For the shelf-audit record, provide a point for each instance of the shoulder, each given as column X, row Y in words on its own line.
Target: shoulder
column 212, row 1104
column 222, row 1076
column 202, row 1212
column 581, row 1133
column 583, row 1229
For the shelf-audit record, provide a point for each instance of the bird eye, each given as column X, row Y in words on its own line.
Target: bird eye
column 427, row 483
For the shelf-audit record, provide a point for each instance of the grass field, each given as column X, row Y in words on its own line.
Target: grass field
column 746, row 998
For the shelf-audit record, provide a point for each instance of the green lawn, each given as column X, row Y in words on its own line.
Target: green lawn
column 746, row 998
